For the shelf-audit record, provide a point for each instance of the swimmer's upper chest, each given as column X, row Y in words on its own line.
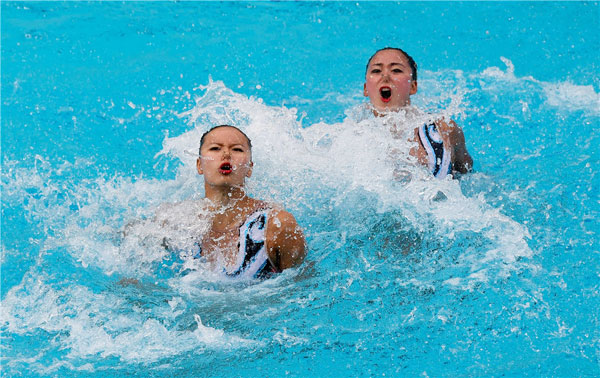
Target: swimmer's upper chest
column 417, row 150
column 221, row 244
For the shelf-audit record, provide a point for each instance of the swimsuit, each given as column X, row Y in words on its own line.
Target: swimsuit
column 252, row 250
column 440, row 160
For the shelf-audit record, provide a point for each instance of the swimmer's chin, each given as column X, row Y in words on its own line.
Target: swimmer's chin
column 380, row 111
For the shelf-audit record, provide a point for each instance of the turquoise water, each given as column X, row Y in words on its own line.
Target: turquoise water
column 101, row 101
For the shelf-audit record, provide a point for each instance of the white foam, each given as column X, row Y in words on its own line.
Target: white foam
column 361, row 157
column 573, row 97
column 334, row 178
column 565, row 95
column 498, row 74
column 105, row 324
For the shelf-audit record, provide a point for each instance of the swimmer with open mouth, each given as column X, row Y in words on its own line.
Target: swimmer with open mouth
column 386, row 94
column 390, row 80
column 226, row 168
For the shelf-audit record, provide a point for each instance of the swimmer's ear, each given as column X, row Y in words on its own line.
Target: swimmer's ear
column 365, row 93
column 199, row 166
column 249, row 173
column 413, row 87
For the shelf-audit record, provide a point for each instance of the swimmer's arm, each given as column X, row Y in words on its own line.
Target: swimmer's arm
column 462, row 162
column 285, row 240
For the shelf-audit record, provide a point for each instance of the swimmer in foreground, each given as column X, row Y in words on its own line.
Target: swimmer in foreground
column 391, row 78
column 248, row 237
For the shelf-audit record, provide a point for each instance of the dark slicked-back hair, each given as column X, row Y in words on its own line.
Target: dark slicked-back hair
column 217, row 127
column 411, row 61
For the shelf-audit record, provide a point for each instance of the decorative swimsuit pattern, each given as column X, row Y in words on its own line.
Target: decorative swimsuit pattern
column 253, row 260
column 440, row 160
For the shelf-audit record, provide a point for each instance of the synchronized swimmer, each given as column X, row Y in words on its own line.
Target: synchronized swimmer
column 247, row 238
column 390, row 80
column 251, row 238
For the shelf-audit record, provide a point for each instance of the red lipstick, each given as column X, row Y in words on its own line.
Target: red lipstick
column 225, row 168
column 386, row 94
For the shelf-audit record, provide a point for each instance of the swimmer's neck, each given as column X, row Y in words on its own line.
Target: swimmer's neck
column 384, row 112
column 407, row 109
column 225, row 198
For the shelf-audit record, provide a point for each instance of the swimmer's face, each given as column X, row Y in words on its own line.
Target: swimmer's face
column 225, row 158
column 389, row 83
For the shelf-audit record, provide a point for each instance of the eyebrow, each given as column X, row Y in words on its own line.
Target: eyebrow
column 222, row 144
column 391, row 64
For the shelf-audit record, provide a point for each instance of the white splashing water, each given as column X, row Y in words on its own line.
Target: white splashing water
column 119, row 224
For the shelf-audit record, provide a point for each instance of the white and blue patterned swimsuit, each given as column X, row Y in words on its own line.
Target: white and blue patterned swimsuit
column 440, row 159
column 252, row 250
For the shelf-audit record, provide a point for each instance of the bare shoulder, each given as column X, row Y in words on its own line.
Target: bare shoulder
column 283, row 226
column 453, row 135
column 449, row 129
column 282, row 218
column 285, row 238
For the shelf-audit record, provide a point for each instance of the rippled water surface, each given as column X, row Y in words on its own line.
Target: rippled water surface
column 495, row 274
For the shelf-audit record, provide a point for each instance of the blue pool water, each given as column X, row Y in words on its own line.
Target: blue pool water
column 101, row 101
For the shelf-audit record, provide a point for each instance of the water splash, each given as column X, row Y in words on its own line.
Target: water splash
column 377, row 224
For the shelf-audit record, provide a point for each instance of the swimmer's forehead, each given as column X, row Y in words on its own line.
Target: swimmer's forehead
column 389, row 57
column 226, row 135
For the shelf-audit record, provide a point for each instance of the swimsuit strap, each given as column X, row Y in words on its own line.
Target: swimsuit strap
column 440, row 163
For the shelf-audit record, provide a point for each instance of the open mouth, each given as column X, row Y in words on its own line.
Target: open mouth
column 226, row 168
column 386, row 93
